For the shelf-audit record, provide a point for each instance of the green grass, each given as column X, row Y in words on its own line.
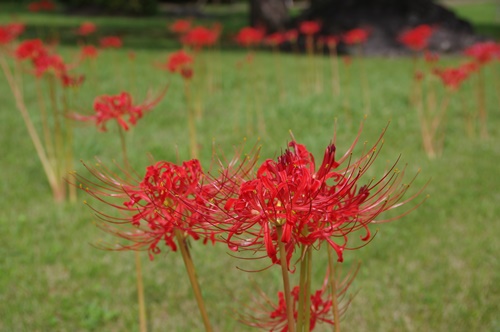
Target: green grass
column 435, row 270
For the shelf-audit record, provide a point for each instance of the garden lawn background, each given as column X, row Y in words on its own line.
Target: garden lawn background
column 435, row 270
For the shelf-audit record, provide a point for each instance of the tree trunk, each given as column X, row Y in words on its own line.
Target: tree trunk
column 271, row 15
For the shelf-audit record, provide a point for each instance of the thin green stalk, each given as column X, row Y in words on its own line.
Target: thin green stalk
column 193, row 141
column 302, row 283
column 286, row 281
column 140, row 294
column 188, row 262
column 333, row 286
column 47, row 167
column 307, row 292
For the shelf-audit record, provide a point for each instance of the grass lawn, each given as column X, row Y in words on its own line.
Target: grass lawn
column 437, row 269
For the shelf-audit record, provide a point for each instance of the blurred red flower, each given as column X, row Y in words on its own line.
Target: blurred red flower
column 454, row 77
column 180, row 62
column 9, row 32
column 111, row 42
column 274, row 39
column 117, row 107
column 200, row 37
column 355, row 36
column 483, row 52
column 86, row 28
column 417, row 38
column 180, row 26
column 88, row 52
column 249, row 36
column 42, row 5
column 309, row 27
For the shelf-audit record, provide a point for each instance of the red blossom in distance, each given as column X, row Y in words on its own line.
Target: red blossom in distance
column 309, row 28
column 249, row 36
column 180, row 62
column 417, row 38
column 355, row 36
column 483, row 52
column 180, row 26
column 200, row 37
column 111, row 42
column 86, row 28
column 9, row 32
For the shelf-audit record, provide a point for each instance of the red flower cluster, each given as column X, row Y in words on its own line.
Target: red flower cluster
column 200, row 37
column 273, row 317
column 355, row 36
column 309, row 28
column 42, row 5
column 9, row 32
column 484, row 52
column 417, row 38
column 274, row 39
column 111, row 42
column 44, row 61
column 454, row 77
column 168, row 199
column 86, row 28
column 180, row 26
column 291, row 35
column 180, row 62
column 88, row 52
column 249, row 37
column 117, row 107
column 308, row 205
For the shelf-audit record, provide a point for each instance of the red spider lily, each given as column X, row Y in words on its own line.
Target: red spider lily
column 483, row 52
column 272, row 316
column 200, row 37
column 454, row 77
column 274, row 39
column 431, row 57
column 180, row 26
column 419, row 75
column 417, row 38
column 111, row 42
column 331, row 41
column 49, row 62
column 9, row 32
column 88, row 52
column 42, row 5
column 249, row 37
column 355, row 36
column 309, row 205
column 117, row 107
column 72, row 81
column 86, row 28
column 167, row 199
column 309, row 27
column 180, row 62
column 30, row 49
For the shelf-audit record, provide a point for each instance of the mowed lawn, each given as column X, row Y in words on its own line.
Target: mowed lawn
column 436, row 269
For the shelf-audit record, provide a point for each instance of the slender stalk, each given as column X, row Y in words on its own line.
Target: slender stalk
column 140, row 294
column 302, row 295
column 193, row 141
column 188, row 262
column 364, row 82
column 286, row 281
column 333, row 286
column 334, row 60
column 307, row 292
column 47, row 167
column 138, row 267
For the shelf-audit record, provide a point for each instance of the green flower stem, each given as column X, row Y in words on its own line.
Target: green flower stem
column 333, row 286
column 286, row 282
column 188, row 262
column 140, row 294
column 307, row 291
column 193, row 141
